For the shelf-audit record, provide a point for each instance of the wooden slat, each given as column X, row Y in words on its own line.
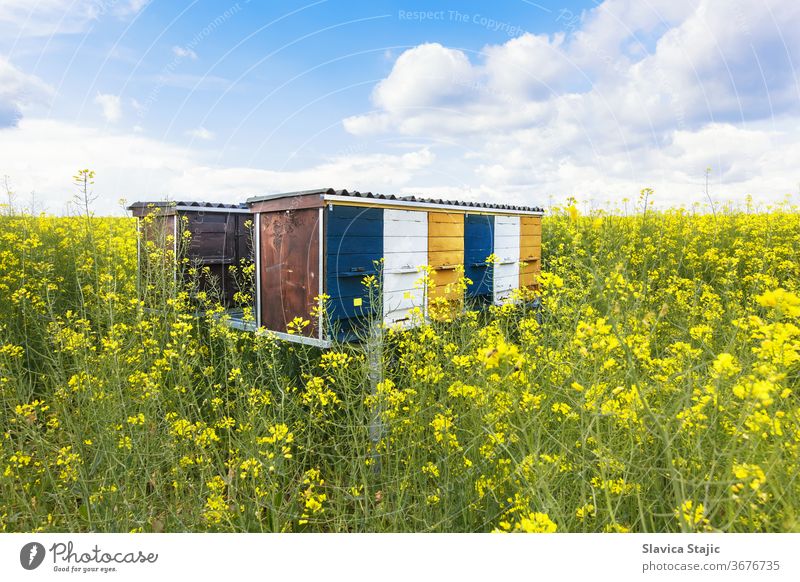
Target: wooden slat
column 530, row 240
column 354, row 247
column 531, row 223
column 445, row 249
column 529, row 253
column 478, row 245
column 507, row 249
column 530, row 250
column 446, row 258
column 446, row 218
column 445, row 243
column 405, row 246
column 527, row 275
column 442, row 278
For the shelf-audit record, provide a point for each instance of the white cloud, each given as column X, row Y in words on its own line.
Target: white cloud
column 530, row 66
column 183, row 53
column 365, row 172
column 201, row 133
column 131, row 7
column 111, row 106
column 613, row 103
column 42, row 155
column 654, row 64
column 424, row 76
column 629, row 95
column 18, row 90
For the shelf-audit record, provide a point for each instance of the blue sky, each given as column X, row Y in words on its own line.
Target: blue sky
column 514, row 100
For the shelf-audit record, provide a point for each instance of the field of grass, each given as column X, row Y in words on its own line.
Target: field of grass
column 656, row 390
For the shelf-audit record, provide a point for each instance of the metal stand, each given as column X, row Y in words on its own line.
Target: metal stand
column 374, row 349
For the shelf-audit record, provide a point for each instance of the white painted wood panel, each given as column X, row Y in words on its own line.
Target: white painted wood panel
column 397, row 282
column 402, row 318
column 405, row 228
column 506, row 249
column 405, row 249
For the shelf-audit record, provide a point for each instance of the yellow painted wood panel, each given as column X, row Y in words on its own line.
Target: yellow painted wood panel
column 441, row 279
column 456, row 218
column 528, row 276
column 534, row 240
column 450, row 226
column 445, row 249
column 446, row 258
column 530, row 251
column 445, row 243
column 445, row 239
column 530, row 226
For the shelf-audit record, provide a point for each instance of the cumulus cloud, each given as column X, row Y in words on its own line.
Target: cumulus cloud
column 131, row 7
column 111, row 106
column 42, row 155
column 627, row 95
column 201, row 133
column 612, row 102
column 700, row 68
column 183, row 53
column 18, row 90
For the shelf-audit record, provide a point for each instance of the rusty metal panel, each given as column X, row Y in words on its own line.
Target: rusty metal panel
column 290, row 269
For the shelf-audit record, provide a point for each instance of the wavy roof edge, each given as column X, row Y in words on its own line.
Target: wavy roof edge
column 392, row 197
column 183, row 204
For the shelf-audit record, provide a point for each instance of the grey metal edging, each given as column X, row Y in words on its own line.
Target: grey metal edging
column 278, row 196
column 298, row 339
column 359, row 201
column 210, row 209
column 241, row 325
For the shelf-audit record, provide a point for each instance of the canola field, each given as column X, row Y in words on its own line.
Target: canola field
column 657, row 389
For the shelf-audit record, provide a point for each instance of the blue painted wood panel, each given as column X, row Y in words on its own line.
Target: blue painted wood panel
column 353, row 245
column 478, row 244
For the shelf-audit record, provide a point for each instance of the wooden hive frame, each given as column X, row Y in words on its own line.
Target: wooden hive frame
column 219, row 236
column 324, row 242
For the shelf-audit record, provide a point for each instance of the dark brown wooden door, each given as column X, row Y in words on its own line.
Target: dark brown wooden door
column 213, row 237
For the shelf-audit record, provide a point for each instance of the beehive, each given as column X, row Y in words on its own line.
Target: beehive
column 219, row 237
column 325, row 242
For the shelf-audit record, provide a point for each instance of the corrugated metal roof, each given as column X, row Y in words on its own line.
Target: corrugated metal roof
column 188, row 204
column 391, row 197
